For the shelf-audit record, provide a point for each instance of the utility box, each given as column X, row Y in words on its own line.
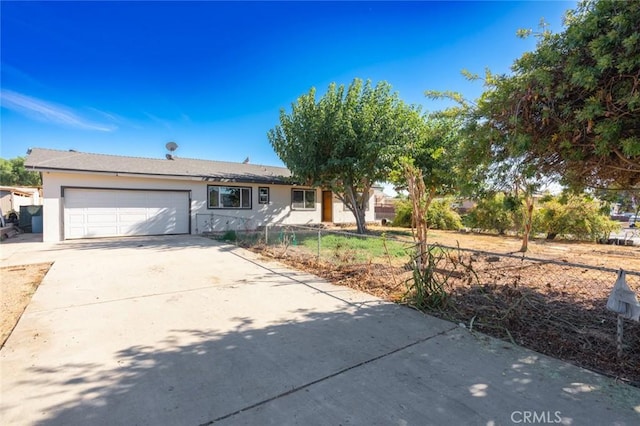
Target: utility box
column 36, row 224
column 26, row 214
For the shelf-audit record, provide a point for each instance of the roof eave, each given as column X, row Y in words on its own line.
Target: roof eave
column 199, row 177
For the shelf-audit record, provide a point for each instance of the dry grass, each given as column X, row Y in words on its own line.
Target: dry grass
column 555, row 309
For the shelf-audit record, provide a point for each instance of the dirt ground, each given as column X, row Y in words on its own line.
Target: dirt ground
column 553, row 308
column 17, row 285
column 541, row 306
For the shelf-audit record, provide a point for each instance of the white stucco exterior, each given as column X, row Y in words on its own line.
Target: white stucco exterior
column 201, row 218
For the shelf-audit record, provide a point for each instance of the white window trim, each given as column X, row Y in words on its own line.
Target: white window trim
column 304, row 199
column 260, row 190
column 220, row 207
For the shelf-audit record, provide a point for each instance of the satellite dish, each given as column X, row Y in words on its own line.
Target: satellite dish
column 171, row 146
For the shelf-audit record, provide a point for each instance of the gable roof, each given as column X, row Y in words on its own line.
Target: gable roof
column 40, row 159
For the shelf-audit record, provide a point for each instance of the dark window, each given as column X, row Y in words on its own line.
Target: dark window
column 263, row 195
column 303, row 199
column 229, row 197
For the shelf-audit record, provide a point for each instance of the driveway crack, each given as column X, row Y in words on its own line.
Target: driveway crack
column 330, row 376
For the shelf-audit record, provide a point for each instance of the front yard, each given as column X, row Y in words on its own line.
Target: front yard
column 552, row 300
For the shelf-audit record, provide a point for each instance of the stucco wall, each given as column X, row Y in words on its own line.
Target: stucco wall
column 278, row 211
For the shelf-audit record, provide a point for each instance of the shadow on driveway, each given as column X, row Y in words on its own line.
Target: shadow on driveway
column 359, row 367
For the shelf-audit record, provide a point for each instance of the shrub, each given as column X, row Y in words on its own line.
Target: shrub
column 491, row 214
column 229, row 235
column 404, row 212
column 574, row 217
column 439, row 216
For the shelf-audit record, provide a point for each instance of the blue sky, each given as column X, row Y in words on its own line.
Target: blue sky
column 125, row 78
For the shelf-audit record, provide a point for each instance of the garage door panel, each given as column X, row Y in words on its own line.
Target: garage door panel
column 104, row 213
column 98, row 218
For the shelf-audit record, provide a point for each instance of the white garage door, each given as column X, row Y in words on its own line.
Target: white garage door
column 110, row 213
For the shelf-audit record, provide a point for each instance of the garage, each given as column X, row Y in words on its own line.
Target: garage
column 92, row 212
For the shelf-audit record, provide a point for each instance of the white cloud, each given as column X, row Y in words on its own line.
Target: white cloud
column 48, row 112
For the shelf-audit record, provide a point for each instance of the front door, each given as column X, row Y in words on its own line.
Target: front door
column 327, row 206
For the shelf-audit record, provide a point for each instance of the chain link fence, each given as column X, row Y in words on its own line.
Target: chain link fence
column 550, row 305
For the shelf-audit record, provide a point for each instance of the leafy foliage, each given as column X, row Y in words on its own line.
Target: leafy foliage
column 345, row 141
column 572, row 107
column 574, row 217
column 440, row 215
column 491, row 214
column 13, row 173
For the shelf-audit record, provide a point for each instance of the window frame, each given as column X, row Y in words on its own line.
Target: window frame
column 263, row 191
column 243, row 199
column 304, row 199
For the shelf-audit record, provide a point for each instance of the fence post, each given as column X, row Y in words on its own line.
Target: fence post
column 619, row 335
column 266, row 234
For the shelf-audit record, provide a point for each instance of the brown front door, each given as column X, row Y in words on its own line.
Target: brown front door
column 327, row 206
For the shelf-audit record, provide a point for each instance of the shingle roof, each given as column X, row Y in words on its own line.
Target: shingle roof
column 40, row 159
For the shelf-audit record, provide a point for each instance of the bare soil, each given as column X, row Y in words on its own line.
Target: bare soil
column 553, row 308
column 17, row 285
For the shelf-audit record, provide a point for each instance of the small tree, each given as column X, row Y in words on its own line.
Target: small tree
column 346, row 141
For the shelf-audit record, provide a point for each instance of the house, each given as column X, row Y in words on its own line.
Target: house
column 94, row 195
column 385, row 205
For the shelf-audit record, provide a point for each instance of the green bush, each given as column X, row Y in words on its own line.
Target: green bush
column 574, row 217
column 491, row 214
column 404, row 212
column 229, row 235
column 439, row 216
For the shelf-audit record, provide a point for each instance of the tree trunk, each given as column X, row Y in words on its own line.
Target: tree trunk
column 528, row 223
column 358, row 210
column 420, row 201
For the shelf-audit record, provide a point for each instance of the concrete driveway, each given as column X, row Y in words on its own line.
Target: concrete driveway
column 186, row 331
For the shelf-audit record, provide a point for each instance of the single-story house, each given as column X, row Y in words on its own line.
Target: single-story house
column 94, row 195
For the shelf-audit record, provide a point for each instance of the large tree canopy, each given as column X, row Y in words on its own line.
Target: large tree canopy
column 346, row 141
column 13, row 173
column 572, row 107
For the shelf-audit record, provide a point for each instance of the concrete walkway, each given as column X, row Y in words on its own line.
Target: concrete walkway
column 186, row 331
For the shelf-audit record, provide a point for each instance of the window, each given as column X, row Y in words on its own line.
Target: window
column 229, row 197
column 263, row 195
column 303, row 199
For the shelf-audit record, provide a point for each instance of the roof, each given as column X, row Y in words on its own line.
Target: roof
column 40, row 159
column 23, row 190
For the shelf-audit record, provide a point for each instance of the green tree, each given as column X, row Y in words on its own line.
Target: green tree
column 428, row 168
column 572, row 106
column 13, row 173
column 346, row 141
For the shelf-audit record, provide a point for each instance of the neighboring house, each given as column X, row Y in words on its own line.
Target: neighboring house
column 95, row 195
column 13, row 197
column 385, row 205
